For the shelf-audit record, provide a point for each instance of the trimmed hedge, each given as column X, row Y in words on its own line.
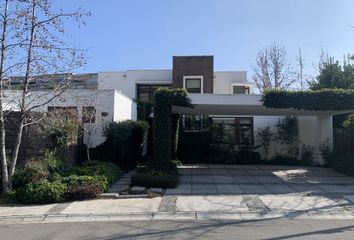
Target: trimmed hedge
column 319, row 100
column 164, row 99
column 150, row 177
column 344, row 163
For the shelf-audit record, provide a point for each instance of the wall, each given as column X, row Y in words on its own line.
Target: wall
column 194, row 66
column 223, row 80
column 126, row 81
column 124, row 108
column 103, row 101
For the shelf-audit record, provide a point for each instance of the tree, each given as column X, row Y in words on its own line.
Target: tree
column 272, row 69
column 299, row 74
column 34, row 45
column 334, row 75
column 288, row 134
column 265, row 136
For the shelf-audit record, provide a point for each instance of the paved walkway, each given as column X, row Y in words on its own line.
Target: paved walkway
column 215, row 192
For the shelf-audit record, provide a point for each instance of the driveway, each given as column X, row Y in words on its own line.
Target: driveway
column 209, row 179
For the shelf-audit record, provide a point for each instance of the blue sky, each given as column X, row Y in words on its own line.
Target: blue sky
column 145, row 34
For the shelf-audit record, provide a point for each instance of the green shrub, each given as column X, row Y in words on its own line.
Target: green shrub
column 32, row 171
column 150, row 177
column 83, row 191
column 223, row 153
column 344, row 163
column 96, row 168
column 287, row 160
column 306, row 154
column 319, row 100
column 42, row 191
column 348, row 125
column 326, row 152
column 124, row 143
column 76, row 181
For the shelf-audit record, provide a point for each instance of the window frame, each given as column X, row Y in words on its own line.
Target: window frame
column 150, row 86
column 83, row 117
column 247, row 88
column 194, row 77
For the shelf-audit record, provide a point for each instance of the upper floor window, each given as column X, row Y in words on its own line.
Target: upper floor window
column 145, row 93
column 193, row 84
column 240, row 90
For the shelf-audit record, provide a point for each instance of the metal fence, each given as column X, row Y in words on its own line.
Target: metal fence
column 342, row 142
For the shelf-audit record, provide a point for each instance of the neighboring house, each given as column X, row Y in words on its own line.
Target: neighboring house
column 226, row 96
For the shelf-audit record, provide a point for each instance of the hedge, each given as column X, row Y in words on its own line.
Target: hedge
column 151, row 177
column 319, row 100
column 164, row 99
column 124, row 143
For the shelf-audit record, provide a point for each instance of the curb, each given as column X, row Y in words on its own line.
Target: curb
column 175, row 216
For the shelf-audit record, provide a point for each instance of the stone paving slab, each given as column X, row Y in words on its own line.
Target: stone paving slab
column 211, row 203
column 11, row 210
column 203, row 188
column 110, row 206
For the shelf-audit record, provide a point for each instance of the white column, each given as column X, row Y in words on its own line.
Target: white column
column 324, row 132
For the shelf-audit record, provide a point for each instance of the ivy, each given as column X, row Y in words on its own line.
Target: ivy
column 319, row 100
column 164, row 99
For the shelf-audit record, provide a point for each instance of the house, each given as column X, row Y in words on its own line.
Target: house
column 226, row 97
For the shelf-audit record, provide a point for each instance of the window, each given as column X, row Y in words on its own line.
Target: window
column 193, row 84
column 244, row 130
column 233, row 130
column 240, row 90
column 88, row 114
column 145, row 93
column 69, row 113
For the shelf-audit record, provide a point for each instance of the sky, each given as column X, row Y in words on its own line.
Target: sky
column 145, row 34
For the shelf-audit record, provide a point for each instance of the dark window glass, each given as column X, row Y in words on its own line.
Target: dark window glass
column 193, row 85
column 241, row 90
column 145, row 93
column 233, row 130
column 88, row 114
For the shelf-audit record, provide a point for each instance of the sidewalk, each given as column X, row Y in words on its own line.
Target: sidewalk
column 246, row 207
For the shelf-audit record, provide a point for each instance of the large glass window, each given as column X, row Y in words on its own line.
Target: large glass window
column 233, row 130
column 145, row 93
column 240, row 90
column 193, row 85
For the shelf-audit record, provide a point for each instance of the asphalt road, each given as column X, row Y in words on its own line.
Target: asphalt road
column 264, row 229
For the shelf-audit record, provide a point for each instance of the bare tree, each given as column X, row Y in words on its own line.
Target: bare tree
column 299, row 74
column 39, row 49
column 272, row 69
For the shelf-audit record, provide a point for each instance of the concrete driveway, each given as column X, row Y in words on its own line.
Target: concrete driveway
column 208, row 179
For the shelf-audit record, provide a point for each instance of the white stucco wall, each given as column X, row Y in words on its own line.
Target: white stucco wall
column 223, row 81
column 124, row 108
column 117, row 106
column 126, row 81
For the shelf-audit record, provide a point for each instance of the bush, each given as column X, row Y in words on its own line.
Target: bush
column 326, row 152
column 344, row 163
column 124, row 143
column 150, row 177
column 77, row 181
column 287, row 160
column 31, row 172
column 96, row 168
column 306, row 154
column 42, row 191
column 348, row 125
column 83, row 192
column 223, row 153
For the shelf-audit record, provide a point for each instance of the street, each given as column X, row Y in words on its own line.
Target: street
column 253, row 229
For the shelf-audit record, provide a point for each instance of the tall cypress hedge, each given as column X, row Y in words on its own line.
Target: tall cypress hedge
column 164, row 99
column 319, row 100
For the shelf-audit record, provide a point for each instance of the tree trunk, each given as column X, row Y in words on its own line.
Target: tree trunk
column 4, row 169
column 23, row 106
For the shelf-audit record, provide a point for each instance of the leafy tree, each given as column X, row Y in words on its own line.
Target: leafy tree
column 265, row 136
column 288, row 134
column 334, row 75
column 349, row 124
